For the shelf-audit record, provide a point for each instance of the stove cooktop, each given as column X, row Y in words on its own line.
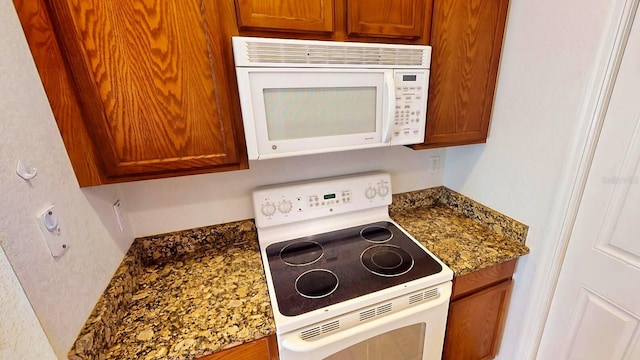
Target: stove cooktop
column 316, row 271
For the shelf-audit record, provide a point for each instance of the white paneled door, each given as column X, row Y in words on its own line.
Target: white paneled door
column 595, row 313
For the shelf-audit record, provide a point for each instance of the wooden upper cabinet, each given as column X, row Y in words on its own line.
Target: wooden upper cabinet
column 467, row 41
column 393, row 21
column 305, row 16
column 388, row 18
column 151, row 80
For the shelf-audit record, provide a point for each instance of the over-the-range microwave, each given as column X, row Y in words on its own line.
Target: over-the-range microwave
column 304, row 97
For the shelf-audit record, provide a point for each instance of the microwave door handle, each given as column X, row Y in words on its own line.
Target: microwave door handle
column 390, row 90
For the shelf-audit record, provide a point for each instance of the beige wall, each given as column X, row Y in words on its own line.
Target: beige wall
column 21, row 336
column 549, row 60
column 61, row 291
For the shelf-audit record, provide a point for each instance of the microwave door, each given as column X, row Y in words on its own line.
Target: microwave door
column 306, row 111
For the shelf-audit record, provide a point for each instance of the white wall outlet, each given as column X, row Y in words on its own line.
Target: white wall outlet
column 434, row 164
column 119, row 211
column 56, row 238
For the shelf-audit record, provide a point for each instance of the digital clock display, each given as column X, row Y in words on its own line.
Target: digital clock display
column 409, row 77
column 330, row 196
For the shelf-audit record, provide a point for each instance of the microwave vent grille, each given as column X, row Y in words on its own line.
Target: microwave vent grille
column 335, row 54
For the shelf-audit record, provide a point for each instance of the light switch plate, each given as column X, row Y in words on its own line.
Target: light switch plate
column 56, row 239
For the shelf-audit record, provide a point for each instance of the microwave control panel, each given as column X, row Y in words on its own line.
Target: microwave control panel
column 410, row 115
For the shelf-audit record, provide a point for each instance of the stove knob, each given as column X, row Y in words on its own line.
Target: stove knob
column 370, row 193
column 268, row 209
column 285, row 206
column 383, row 190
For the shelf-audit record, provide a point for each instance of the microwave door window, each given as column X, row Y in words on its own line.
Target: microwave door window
column 298, row 113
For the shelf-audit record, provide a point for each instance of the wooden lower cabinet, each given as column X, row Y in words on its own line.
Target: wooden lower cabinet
column 477, row 312
column 261, row 349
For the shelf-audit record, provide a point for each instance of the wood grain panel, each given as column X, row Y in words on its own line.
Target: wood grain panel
column 478, row 280
column 475, row 324
column 60, row 90
column 467, row 40
column 286, row 23
column 389, row 18
column 305, row 16
column 261, row 349
column 152, row 90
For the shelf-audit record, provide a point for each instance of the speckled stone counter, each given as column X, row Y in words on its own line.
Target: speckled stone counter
column 181, row 296
column 465, row 235
column 191, row 293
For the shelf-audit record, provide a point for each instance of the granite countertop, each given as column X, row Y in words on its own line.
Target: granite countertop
column 191, row 293
column 465, row 235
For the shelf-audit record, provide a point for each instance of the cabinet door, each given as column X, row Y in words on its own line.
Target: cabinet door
column 287, row 15
column 467, row 40
column 261, row 349
column 474, row 326
column 151, row 83
column 389, row 18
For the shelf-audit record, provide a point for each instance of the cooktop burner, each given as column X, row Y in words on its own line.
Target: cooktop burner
column 376, row 234
column 386, row 260
column 321, row 270
column 301, row 253
column 316, row 283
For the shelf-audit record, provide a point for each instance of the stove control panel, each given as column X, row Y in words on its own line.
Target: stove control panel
column 342, row 197
column 292, row 202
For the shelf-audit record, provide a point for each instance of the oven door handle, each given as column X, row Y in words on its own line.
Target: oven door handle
column 293, row 342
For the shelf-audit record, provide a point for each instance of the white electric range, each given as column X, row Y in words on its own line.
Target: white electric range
column 345, row 281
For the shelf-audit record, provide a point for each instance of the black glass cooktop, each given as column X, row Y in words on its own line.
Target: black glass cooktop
column 321, row 270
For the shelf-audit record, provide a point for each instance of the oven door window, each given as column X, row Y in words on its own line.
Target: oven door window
column 399, row 344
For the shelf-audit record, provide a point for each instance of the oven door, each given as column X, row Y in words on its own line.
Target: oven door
column 415, row 332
